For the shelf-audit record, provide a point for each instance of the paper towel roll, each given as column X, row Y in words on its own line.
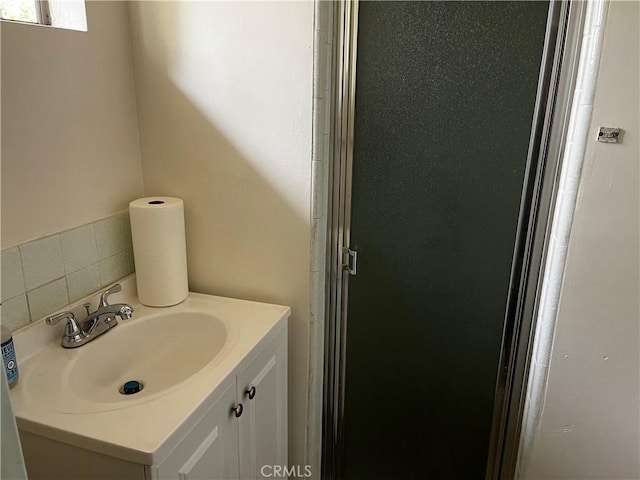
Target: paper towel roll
column 159, row 250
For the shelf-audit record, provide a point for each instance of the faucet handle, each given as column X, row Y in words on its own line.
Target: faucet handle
column 72, row 331
column 104, row 297
column 53, row 319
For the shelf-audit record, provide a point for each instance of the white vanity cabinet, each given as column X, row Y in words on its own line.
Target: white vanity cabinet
column 245, row 429
column 213, row 406
column 262, row 390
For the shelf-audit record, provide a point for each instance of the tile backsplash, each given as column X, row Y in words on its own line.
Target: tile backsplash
column 44, row 275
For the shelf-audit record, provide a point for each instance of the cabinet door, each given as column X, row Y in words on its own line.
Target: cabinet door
column 263, row 426
column 210, row 450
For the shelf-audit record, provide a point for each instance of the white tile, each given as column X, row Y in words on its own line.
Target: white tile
column 316, row 357
column 314, row 407
column 320, row 80
column 316, row 59
column 317, row 288
column 318, row 245
column 327, row 71
column 323, row 33
column 315, row 457
column 79, row 248
column 326, row 148
column 11, row 275
column 330, row 22
column 594, row 54
column 110, row 237
column 126, row 227
column 323, row 68
column 130, row 261
column 581, row 132
column 83, row 282
column 318, row 148
column 319, row 189
column 48, row 298
column 599, row 15
column 590, row 21
column 15, row 312
column 322, row 16
column 113, row 269
column 41, row 261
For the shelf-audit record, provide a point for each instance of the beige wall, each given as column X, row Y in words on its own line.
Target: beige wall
column 225, row 106
column 13, row 468
column 70, row 150
column 590, row 427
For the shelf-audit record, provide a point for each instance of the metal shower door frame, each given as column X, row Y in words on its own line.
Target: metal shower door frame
column 550, row 121
column 339, row 221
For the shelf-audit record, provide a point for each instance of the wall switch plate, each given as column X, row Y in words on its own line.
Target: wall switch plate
column 609, row 135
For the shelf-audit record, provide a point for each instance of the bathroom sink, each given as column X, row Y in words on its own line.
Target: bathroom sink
column 187, row 356
column 160, row 350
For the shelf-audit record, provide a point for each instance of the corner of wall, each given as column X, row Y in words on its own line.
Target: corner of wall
column 323, row 28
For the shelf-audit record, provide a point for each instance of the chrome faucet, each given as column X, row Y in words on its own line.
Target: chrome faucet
column 103, row 319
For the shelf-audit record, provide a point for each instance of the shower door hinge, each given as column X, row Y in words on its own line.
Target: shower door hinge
column 349, row 260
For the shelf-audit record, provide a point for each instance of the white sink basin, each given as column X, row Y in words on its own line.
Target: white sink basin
column 160, row 350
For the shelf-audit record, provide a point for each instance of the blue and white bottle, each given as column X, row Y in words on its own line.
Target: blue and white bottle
column 9, row 356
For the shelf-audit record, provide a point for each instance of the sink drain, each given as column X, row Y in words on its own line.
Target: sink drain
column 131, row 387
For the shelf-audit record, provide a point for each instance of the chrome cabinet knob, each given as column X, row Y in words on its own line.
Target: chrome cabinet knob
column 251, row 393
column 237, row 410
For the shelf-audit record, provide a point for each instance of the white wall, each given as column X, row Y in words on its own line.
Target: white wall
column 70, row 150
column 11, row 461
column 590, row 425
column 225, row 111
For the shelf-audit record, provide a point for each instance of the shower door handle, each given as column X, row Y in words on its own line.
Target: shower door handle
column 350, row 261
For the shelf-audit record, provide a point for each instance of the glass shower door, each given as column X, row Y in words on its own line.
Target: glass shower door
column 445, row 95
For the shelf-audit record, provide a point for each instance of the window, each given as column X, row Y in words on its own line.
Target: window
column 24, row 11
column 69, row 14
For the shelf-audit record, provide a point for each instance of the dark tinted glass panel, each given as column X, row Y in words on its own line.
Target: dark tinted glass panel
column 444, row 104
